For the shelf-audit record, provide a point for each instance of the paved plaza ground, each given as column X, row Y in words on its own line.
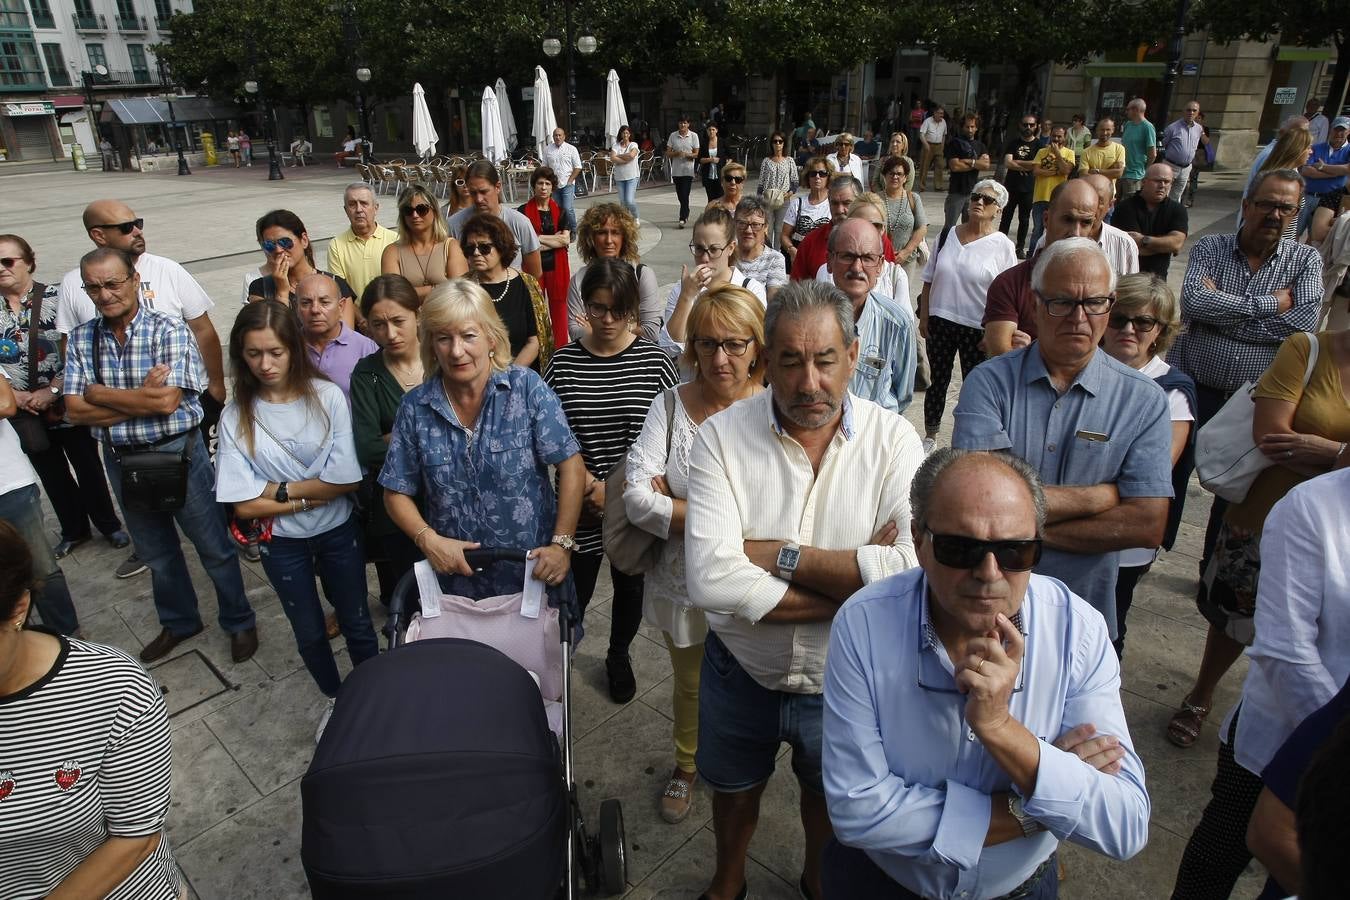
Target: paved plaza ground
column 243, row 734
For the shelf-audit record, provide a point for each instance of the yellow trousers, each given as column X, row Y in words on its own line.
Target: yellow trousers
column 686, row 661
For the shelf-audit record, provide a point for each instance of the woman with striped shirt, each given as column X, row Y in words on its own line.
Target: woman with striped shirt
column 606, row 382
column 84, row 760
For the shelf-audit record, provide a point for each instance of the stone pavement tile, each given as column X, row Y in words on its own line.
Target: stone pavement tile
column 1162, row 657
column 685, row 874
column 253, row 855
column 659, row 697
column 208, row 786
column 1198, row 501
column 591, row 704
column 1148, row 876
column 778, row 841
column 270, row 731
column 630, row 757
column 1169, row 590
column 107, row 627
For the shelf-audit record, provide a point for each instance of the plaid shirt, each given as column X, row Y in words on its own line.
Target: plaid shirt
column 152, row 338
column 1231, row 334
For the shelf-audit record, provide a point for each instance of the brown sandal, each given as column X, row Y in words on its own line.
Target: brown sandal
column 1183, row 729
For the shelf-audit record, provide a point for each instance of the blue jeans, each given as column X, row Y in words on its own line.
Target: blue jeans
column 202, row 520
column 1037, row 225
column 565, row 197
column 336, row 558
column 22, row 508
column 628, row 195
column 848, row 872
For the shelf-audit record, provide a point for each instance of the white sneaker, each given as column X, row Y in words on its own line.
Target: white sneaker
column 929, row 445
column 323, row 720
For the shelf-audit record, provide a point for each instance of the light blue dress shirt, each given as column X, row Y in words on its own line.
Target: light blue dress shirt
column 908, row 782
column 886, row 354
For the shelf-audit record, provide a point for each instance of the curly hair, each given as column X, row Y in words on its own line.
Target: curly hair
column 597, row 217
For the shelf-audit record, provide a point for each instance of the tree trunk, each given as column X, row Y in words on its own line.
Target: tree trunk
column 1336, row 96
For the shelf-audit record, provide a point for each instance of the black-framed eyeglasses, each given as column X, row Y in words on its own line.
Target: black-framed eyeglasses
column 751, row 227
column 112, row 284
column 712, row 251
column 957, row 551
column 1270, row 206
column 420, row 209
column 599, row 312
column 978, row 197
column 867, row 259
column 270, row 246
column 124, row 227
column 1063, row 306
column 731, row 346
column 480, row 249
column 1142, row 324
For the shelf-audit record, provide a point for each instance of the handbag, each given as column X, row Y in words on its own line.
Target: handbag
column 631, row 549
column 1226, row 456
column 31, row 427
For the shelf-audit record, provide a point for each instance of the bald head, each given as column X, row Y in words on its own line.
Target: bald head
column 100, row 219
column 1072, row 212
column 320, row 305
column 1106, row 192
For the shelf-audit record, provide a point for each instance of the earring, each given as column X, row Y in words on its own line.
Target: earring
column 492, row 354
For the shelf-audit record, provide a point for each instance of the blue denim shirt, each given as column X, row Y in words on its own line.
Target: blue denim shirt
column 886, row 355
column 490, row 485
column 908, row 782
column 1112, row 426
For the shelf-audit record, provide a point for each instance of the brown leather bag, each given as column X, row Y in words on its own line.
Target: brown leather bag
column 31, row 428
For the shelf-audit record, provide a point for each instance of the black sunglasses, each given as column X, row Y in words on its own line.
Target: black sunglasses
column 8, row 262
column 958, row 552
column 482, row 249
column 271, row 246
column 1142, row 324
column 125, row 227
column 733, row 179
column 421, row 209
column 818, row 173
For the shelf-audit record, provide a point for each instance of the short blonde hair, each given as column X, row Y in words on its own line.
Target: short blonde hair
column 1142, row 291
column 733, row 168
column 729, row 307
column 869, row 199
column 457, row 302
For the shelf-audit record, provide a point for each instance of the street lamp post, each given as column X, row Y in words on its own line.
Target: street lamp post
column 1175, row 49
column 269, row 125
column 362, row 79
column 167, row 82
column 586, row 45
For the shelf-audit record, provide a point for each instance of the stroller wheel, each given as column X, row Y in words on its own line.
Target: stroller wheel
column 613, row 849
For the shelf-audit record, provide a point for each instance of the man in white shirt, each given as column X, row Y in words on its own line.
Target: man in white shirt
column 564, row 159
column 797, row 498
column 1120, row 249
column 1319, row 126
column 933, row 133
column 485, row 189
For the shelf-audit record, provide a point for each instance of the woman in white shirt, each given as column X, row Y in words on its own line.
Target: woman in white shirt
column 807, row 212
column 624, row 156
column 726, row 336
column 287, row 459
column 714, row 252
column 968, row 258
column 843, row 158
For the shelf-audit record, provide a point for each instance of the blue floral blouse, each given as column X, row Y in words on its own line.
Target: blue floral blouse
column 489, row 484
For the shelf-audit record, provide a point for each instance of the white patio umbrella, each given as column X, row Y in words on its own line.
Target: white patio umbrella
column 425, row 137
column 494, row 142
column 508, row 117
column 544, row 120
column 616, row 115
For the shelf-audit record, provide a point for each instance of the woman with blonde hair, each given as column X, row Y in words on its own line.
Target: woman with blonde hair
column 1292, row 150
column 844, row 159
column 426, row 254
column 733, row 187
column 726, row 336
column 898, row 149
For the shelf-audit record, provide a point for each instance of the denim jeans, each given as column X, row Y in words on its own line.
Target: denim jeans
column 336, row 558
column 83, row 497
column 202, row 520
column 628, row 194
column 847, row 872
column 22, row 508
column 565, row 197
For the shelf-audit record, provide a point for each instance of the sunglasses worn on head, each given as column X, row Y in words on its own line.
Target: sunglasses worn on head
column 733, row 179
column 482, row 249
column 271, row 246
column 958, row 552
column 1142, row 324
column 125, row 227
column 422, row 209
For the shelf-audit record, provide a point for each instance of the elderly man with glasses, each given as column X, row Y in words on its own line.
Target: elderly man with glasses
column 1098, row 431
column 1023, row 740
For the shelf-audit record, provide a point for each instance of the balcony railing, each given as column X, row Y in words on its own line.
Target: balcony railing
column 132, row 23
column 90, row 22
column 120, row 79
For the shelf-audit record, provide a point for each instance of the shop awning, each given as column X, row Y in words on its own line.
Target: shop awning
column 1124, row 70
column 1303, row 54
column 153, row 111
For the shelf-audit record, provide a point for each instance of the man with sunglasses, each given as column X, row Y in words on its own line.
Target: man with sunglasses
column 1099, row 432
column 354, row 255
column 1023, row 740
column 1154, row 221
column 1019, row 156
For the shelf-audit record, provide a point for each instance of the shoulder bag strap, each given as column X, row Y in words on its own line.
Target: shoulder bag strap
column 34, row 326
column 1312, row 358
column 670, row 418
column 287, row 450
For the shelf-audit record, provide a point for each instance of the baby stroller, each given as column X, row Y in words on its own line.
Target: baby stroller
column 438, row 776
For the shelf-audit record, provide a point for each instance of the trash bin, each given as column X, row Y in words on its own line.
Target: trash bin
column 209, row 147
column 77, row 157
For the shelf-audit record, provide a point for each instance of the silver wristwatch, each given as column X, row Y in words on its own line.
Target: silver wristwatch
column 565, row 541
column 1029, row 825
column 56, row 391
column 788, row 557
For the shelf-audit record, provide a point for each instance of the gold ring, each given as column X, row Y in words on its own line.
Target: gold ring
column 979, row 670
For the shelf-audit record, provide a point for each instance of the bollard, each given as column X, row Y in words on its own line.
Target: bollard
column 77, row 157
column 209, row 148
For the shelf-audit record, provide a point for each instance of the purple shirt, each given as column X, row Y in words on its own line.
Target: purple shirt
column 340, row 355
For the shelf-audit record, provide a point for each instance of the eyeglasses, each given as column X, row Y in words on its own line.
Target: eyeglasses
column 712, row 251
column 124, row 227
column 420, row 210
column 600, row 312
column 733, row 179
column 1063, row 306
column 818, row 173
column 112, row 284
column 896, row 173
column 959, row 552
column 482, row 249
column 977, row 197
column 776, row 141
column 271, row 246
column 1270, row 206
column 867, row 259
column 1142, row 324
column 731, row 346
column 9, row 261
column 751, row 227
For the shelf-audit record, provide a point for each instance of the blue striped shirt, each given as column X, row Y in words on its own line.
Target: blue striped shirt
column 886, row 354
column 153, row 338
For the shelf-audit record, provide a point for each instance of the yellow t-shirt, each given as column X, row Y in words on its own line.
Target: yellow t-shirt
column 356, row 260
column 1320, row 409
column 1101, row 158
column 1046, row 181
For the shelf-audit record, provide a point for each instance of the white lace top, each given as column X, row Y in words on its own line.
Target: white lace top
column 665, row 599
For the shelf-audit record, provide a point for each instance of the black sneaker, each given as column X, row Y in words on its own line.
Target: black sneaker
column 130, row 567
column 622, row 683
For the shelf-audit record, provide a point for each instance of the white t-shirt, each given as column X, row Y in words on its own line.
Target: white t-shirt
column 854, row 166
column 738, row 278
column 932, row 131
column 1180, row 411
column 15, row 469
column 960, row 275
column 629, row 170
column 801, row 207
column 165, row 286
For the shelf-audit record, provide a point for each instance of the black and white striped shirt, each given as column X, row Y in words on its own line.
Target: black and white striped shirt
column 84, row 756
column 606, row 399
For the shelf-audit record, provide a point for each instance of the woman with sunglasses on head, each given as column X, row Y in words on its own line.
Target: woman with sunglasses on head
column 459, row 192
column 714, row 250
column 425, row 252
column 777, row 185
column 490, row 246
column 1144, row 321
column 733, row 187
column 956, row 281
column 287, row 457
column 546, row 216
column 606, row 382
column 807, row 212
column 284, row 239
column 624, row 157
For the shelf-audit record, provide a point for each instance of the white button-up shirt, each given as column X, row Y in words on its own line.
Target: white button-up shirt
column 750, row 480
column 562, row 159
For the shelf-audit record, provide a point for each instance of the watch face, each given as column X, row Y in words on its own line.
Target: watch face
column 787, row 557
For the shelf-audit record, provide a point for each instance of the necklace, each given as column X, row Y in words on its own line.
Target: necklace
column 398, row 373
column 506, row 285
column 423, row 262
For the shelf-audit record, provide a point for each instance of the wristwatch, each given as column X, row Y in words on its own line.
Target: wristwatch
column 565, row 541
column 56, row 391
column 1029, row 825
column 788, row 557
column 283, row 495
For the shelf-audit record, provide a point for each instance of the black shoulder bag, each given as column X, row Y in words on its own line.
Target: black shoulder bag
column 32, row 429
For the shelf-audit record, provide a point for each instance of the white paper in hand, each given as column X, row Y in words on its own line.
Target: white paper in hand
column 428, row 589
column 533, row 592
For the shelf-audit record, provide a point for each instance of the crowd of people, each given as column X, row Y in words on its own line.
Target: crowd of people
column 823, row 574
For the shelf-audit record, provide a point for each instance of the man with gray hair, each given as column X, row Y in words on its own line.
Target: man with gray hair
column 798, row 497
column 1098, row 431
column 355, row 253
column 333, row 347
column 1013, row 670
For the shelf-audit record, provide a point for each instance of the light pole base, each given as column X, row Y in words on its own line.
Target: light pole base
column 273, row 164
column 182, row 164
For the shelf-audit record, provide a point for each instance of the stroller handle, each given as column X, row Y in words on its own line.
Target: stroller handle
column 483, row 557
column 478, row 560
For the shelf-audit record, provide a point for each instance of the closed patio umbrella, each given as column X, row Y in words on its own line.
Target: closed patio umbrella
column 494, row 142
column 508, row 117
column 616, row 115
column 425, row 137
column 544, row 120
